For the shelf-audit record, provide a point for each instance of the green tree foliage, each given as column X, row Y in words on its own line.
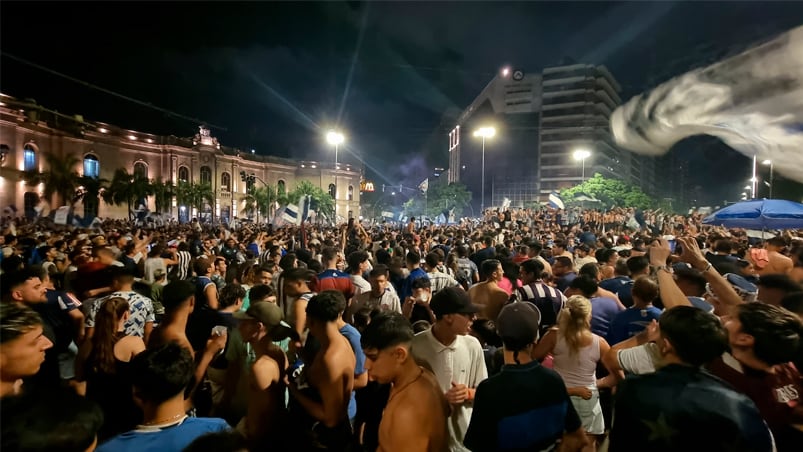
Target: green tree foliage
column 320, row 199
column 611, row 192
column 439, row 198
column 60, row 178
column 89, row 192
column 126, row 189
column 195, row 195
column 163, row 193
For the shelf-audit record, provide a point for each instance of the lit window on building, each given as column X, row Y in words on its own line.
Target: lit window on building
column 183, row 174
column 281, row 188
column 29, row 157
column 225, row 181
column 91, row 166
column 350, row 194
column 332, row 190
column 206, row 175
column 141, row 170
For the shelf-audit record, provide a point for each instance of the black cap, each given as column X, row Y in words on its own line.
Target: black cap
column 452, row 300
column 517, row 324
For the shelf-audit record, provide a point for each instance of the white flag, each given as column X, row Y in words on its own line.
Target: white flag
column 424, row 186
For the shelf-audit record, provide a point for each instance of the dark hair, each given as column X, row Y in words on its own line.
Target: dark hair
column 645, row 288
column 230, row 293
column 533, row 266
column 15, row 320
column 363, row 317
column 328, row 253
column 697, row 336
column 53, row 419
column 176, row 293
column 413, row 258
column 355, row 259
column 224, row 441
column 486, row 330
column 776, row 331
column 379, row 270
column 694, row 278
column 14, row 279
column 160, row 373
column 590, row 269
column 489, row 266
column 723, row 246
column 779, row 281
column 620, row 268
column 564, row 261
column 586, row 284
column 326, row 306
column 386, row 330
column 201, row 266
column 421, row 283
column 432, row 259
column 260, row 292
column 287, row 261
column 122, row 275
column 793, row 302
column 637, row 264
column 298, row 274
column 106, row 320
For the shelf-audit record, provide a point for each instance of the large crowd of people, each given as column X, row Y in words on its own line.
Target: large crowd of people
column 523, row 330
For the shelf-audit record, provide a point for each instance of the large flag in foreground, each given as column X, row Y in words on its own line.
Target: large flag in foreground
column 752, row 101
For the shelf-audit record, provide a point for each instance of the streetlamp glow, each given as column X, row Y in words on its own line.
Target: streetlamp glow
column 765, row 163
column 335, row 138
column 747, row 187
column 505, row 71
column 582, row 155
column 484, row 132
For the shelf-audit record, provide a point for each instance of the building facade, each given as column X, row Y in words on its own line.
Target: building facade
column 541, row 120
column 28, row 132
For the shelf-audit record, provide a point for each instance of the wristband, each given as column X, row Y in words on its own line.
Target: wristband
column 707, row 267
column 664, row 268
column 471, row 393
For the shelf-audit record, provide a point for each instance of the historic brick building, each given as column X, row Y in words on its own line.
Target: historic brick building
column 28, row 131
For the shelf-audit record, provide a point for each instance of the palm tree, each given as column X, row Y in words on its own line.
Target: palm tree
column 163, row 193
column 127, row 189
column 89, row 192
column 261, row 200
column 194, row 195
column 325, row 204
column 60, row 177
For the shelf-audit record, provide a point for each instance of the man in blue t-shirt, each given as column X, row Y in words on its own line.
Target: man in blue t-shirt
column 603, row 309
column 635, row 319
column 159, row 377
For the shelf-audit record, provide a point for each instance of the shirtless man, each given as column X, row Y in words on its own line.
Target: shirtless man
column 415, row 417
column 324, row 389
column 260, row 325
column 178, row 299
column 488, row 294
column 778, row 263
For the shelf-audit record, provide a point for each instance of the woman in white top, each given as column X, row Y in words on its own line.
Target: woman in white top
column 576, row 352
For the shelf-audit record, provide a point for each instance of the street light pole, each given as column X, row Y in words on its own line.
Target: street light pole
column 582, row 155
column 753, row 180
column 335, row 138
column 484, row 132
column 769, row 162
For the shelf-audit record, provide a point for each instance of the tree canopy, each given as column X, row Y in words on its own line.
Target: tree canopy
column 438, row 199
column 611, row 192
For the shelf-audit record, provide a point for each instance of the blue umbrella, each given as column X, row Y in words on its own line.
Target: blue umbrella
column 759, row 214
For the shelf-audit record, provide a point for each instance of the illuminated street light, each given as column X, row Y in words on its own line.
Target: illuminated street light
column 582, row 155
column 765, row 163
column 747, row 187
column 484, row 132
column 505, row 71
column 335, row 138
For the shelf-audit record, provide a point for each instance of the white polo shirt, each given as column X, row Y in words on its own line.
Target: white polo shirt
column 461, row 362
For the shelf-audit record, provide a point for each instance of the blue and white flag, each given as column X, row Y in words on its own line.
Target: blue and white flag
column 555, row 202
column 291, row 214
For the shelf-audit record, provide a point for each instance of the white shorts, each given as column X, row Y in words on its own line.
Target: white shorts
column 590, row 413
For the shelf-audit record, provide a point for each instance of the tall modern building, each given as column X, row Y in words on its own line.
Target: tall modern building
column 28, row 132
column 541, row 120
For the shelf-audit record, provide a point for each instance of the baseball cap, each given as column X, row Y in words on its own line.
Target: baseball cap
column 518, row 323
column 746, row 290
column 270, row 315
column 452, row 300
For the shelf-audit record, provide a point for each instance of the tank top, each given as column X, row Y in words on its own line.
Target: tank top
column 580, row 369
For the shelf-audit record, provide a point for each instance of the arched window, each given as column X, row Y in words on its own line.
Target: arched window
column 206, row 175
column 141, row 170
column 281, row 188
column 350, row 194
column 91, row 166
column 29, row 158
column 183, row 174
column 332, row 190
column 225, row 181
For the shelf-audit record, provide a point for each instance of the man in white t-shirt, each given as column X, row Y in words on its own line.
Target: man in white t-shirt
column 456, row 358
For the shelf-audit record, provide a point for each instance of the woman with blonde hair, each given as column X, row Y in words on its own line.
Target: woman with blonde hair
column 103, row 363
column 576, row 352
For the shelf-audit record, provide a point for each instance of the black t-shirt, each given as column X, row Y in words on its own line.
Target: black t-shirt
column 523, row 408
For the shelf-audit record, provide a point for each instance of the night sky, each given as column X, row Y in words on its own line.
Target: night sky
column 276, row 76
